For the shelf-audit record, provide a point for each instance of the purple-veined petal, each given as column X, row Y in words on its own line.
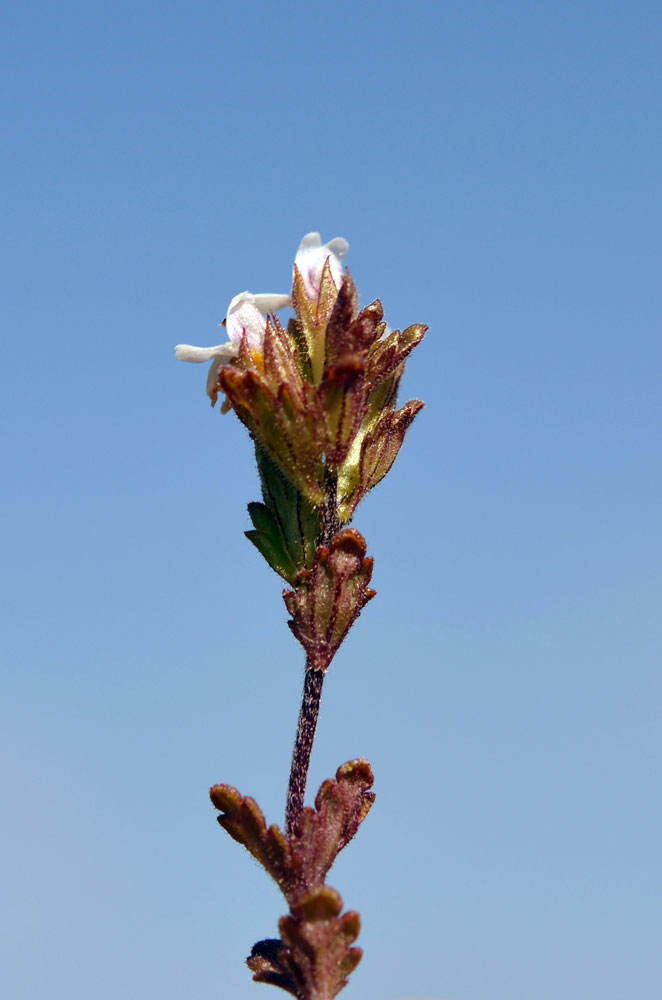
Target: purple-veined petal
column 248, row 312
column 312, row 256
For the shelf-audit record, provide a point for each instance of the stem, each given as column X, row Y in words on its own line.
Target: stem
column 330, row 521
column 313, row 681
column 303, row 745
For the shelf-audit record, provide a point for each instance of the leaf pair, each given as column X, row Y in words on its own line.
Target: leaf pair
column 328, row 598
column 299, row 863
column 314, row 956
column 314, row 959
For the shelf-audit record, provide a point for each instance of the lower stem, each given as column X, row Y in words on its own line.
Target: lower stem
column 314, row 679
column 303, row 745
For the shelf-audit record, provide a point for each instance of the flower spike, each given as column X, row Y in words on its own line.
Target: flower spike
column 319, row 400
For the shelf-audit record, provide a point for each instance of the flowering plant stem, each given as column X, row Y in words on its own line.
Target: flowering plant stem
column 313, row 680
column 303, row 745
column 330, row 519
column 319, row 401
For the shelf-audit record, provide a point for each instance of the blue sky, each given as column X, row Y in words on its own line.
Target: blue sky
column 496, row 170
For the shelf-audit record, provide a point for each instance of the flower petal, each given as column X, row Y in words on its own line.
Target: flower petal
column 212, row 379
column 270, row 303
column 310, row 241
column 338, row 247
column 312, row 256
column 248, row 313
column 186, row 352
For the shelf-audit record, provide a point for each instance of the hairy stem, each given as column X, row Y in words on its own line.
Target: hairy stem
column 330, row 520
column 303, row 745
column 313, row 681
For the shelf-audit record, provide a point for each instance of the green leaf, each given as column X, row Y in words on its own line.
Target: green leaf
column 286, row 525
column 269, row 541
column 264, row 520
column 274, row 554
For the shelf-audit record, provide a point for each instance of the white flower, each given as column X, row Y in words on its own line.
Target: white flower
column 312, row 256
column 247, row 313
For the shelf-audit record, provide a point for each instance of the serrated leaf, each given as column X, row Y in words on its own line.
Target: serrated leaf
column 381, row 399
column 343, row 405
column 285, row 422
column 268, row 540
column 286, row 525
column 327, row 599
column 263, row 519
column 373, row 456
column 388, row 353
